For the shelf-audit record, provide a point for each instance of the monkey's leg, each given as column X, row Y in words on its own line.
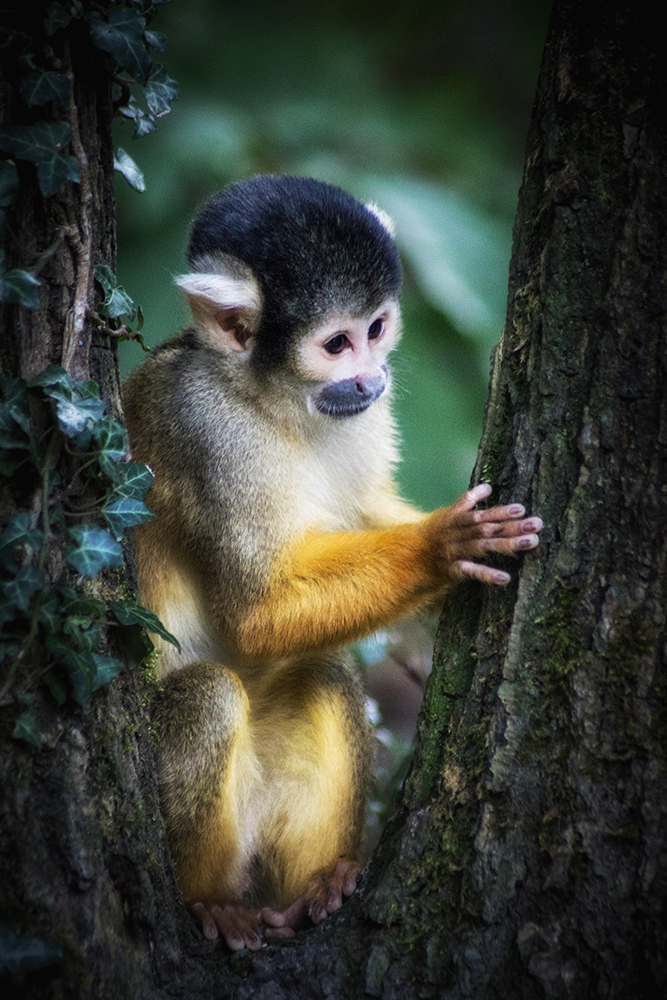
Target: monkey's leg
column 316, row 748
column 208, row 777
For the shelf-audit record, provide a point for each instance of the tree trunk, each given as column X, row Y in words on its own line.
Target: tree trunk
column 86, row 880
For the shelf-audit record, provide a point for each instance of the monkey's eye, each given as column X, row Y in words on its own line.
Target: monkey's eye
column 376, row 329
column 336, row 344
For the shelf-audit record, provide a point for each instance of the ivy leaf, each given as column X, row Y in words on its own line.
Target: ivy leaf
column 112, row 442
column 85, row 633
column 73, row 604
column 49, row 614
column 77, row 418
column 21, row 287
column 107, row 667
column 19, row 590
column 27, row 729
column 125, row 513
column 37, row 142
column 41, row 144
column 126, row 166
column 14, row 414
column 116, row 300
column 53, row 173
column 56, row 18
column 143, row 122
column 130, row 613
column 56, row 687
column 45, row 85
column 156, row 40
column 18, row 532
column 123, row 37
column 56, row 383
column 136, row 482
column 9, row 183
column 160, row 91
column 94, row 551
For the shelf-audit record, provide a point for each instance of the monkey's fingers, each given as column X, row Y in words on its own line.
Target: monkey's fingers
column 327, row 889
column 239, row 925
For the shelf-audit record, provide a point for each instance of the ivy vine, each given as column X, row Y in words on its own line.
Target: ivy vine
column 67, row 623
column 58, row 443
column 119, row 28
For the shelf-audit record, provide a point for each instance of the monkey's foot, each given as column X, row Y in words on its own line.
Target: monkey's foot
column 328, row 887
column 240, row 926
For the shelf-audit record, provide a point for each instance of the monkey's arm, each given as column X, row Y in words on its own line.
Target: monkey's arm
column 329, row 588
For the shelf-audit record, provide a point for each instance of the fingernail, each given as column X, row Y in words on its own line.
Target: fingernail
column 516, row 510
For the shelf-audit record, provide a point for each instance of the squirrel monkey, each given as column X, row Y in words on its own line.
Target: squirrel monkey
column 280, row 536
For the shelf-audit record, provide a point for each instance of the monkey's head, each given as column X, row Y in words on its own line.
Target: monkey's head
column 296, row 277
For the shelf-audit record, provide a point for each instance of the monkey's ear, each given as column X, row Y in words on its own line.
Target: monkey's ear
column 380, row 214
column 226, row 308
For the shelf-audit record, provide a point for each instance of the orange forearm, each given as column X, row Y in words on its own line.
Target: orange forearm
column 330, row 588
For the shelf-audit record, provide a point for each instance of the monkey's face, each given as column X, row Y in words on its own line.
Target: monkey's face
column 346, row 357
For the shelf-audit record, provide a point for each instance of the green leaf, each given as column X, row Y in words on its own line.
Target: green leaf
column 9, row 183
column 50, row 613
column 82, row 673
column 143, row 122
column 57, row 18
column 108, row 667
column 77, row 419
column 85, row 633
column 27, row 729
column 22, row 586
column 18, row 532
column 21, row 287
column 14, row 414
column 116, row 300
column 125, row 513
column 56, row 687
column 126, row 166
column 45, row 85
column 160, row 91
column 36, row 143
column 53, row 173
column 112, row 442
column 94, row 551
column 123, row 37
column 41, row 144
column 136, row 482
column 156, row 40
column 56, row 383
column 130, row 613
column 74, row 604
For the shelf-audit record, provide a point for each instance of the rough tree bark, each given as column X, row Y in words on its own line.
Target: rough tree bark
column 526, row 857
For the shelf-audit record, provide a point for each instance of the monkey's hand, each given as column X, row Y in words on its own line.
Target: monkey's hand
column 239, row 925
column 460, row 534
column 327, row 889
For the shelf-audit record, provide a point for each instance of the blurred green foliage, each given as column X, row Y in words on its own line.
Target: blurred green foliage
column 420, row 107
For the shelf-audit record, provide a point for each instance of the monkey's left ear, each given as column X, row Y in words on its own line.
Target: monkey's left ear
column 225, row 308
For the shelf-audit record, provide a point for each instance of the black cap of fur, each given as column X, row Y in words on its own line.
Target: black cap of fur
column 313, row 248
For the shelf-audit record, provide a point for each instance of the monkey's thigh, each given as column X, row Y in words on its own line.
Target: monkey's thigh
column 314, row 742
column 207, row 778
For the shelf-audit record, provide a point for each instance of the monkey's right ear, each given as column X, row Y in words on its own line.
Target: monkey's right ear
column 226, row 308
